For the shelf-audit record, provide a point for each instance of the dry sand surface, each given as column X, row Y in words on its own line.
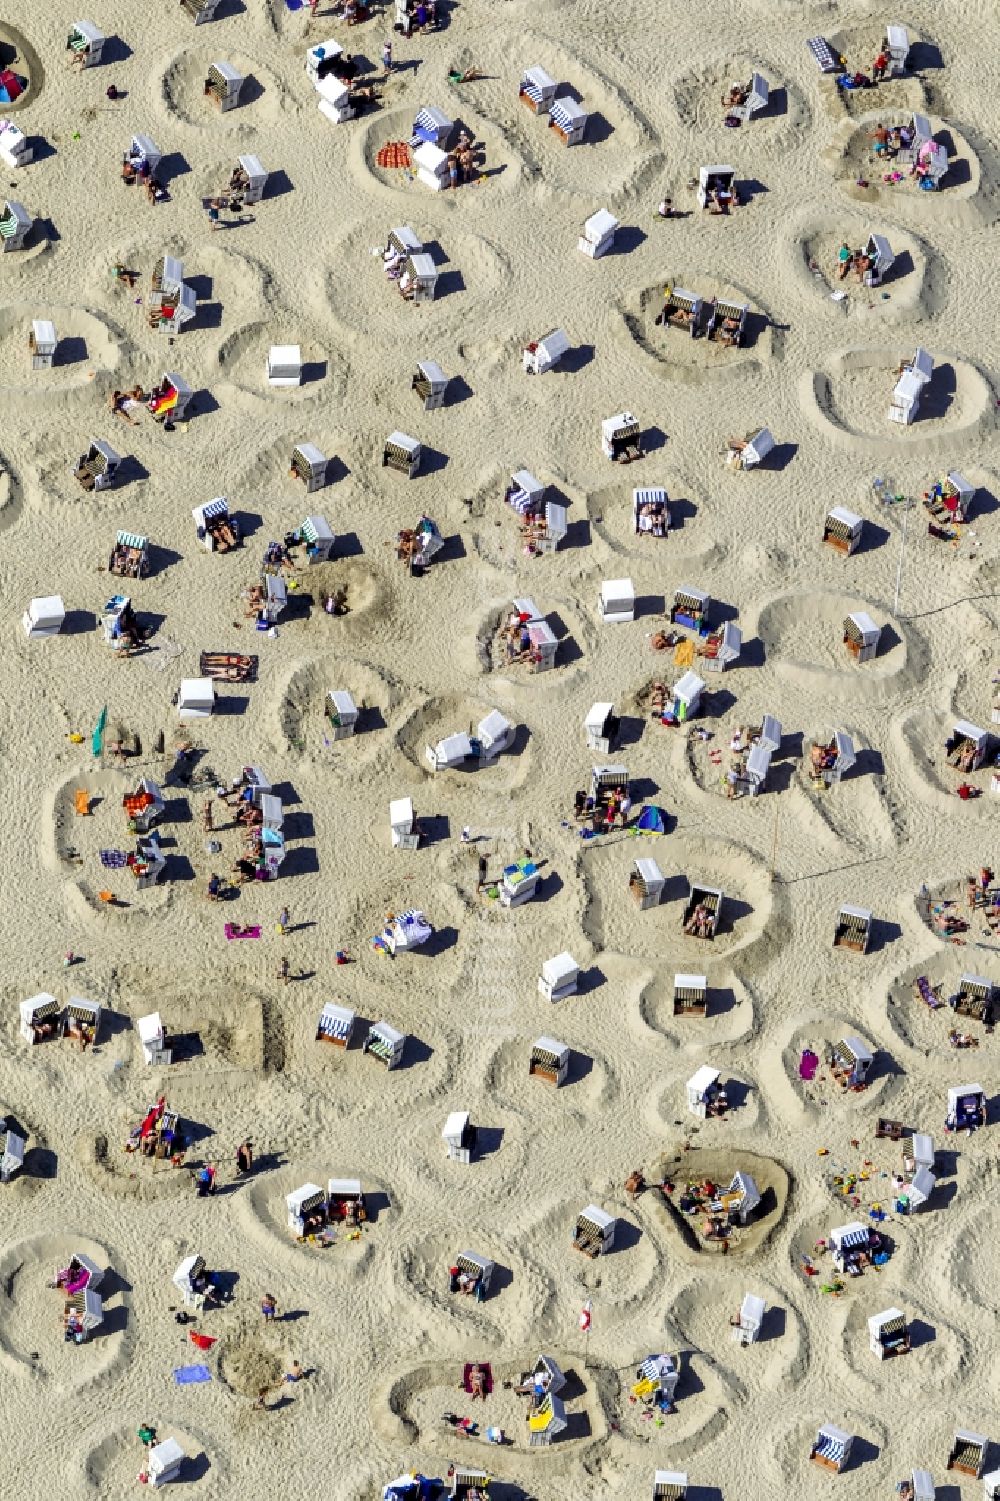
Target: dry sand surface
column 371, row 1319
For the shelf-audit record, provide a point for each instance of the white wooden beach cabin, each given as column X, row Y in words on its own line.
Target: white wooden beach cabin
column 311, row 466
column 190, row 1281
column 752, row 450
column 341, row 714
column 616, row 604
column 519, row 883
column 560, row 977
column 165, row 1460
column 966, row 1107
column 601, row 726
column 547, row 1377
column 888, row 1333
column 598, row 234
column 479, row 1269
column 897, row 44
column 525, row 494
column 12, row 1148
column 144, row 155
column 991, row 1486
column 702, row 1088
column 840, row 756
column 670, row 1485
column 770, row 734
column 153, row 1040
column 306, row 1207
column 335, row 101
column 741, row 1198
column 753, row 776
column 968, row 742
column 385, row 1044
column 335, row 1025
column 320, row 58
column 853, row 930
column 549, row 1060
column 284, row 365
column 15, row 148
column 848, row 1244
column 842, row 530
column 407, row 931
column 751, row 1320
column 217, row 530
column 318, row 536
column 97, row 469
column 909, row 388
column 254, row 178
column 402, row 821
column 15, row 226
column 451, row 752
column 594, row 1232
column 546, row 1422
column 85, row 42
column 650, row 511
column 42, row 344
column 223, row 85
column 459, row 1137
column 621, row 441
column 81, row 1020
column 721, row 648
column 879, row 252
column 40, row 1018
column 968, row 1454
column 690, row 995
column 402, row 453
column 433, row 168
column 832, row 1448
column 433, row 125
column 537, row 90
column 200, row 11
column 494, row 735
column 656, row 1375
column 568, row 119
column 719, row 178
column 861, row 636
column 545, row 353
column 686, row 696
column 974, row 997
column 645, row 884
column 431, row 385
column 196, row 698
column 44, row 617
column 710, row 899
column 755, row 96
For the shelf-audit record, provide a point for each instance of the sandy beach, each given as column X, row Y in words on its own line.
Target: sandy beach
column 369, row 1315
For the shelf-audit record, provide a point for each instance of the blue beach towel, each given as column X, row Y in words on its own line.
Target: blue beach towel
column 188, row 1375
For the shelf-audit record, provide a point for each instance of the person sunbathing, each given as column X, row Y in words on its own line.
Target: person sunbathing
column 129, row 173
column 699, row 924
column 477, row 1383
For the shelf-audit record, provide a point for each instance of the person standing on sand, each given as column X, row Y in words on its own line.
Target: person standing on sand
column 269, row 1307
column 283, row 974
column 284, row 919
column 387, row 58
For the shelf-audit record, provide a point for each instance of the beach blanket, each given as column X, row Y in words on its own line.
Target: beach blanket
column 232, row 932
column 203, row 1341
column 113, row 859
column 808, row 1064
column 487, row 1371
column 394, row 154
column 928, row 993
column 190, row 1375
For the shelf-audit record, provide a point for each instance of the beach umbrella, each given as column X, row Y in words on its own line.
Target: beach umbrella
column 11, row 87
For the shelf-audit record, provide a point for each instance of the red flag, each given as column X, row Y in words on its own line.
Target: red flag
column 585, row 1317
column 203, row 1341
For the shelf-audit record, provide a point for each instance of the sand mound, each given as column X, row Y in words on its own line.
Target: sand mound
column 925, row 734
column 11, row 494
column 590, row 1083
column 262, row 99
column 937, row 1354
column 790, row 1451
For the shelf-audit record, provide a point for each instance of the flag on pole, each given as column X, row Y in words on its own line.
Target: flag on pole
column 585, row 1317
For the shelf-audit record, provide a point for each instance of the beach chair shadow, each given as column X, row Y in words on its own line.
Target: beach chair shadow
column 581, row 1065
column 278, row 184
column 575, row 359
column 39, row 1162
column 174, row 164
column 773, row 1325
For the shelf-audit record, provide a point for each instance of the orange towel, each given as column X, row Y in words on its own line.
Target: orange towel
column 81, row 802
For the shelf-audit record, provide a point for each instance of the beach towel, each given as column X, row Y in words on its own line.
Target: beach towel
column 113, row 859
column 808, row 1064
column 487, row 1371
column 203, row 1341
column 190, row 1375
column 394, row 154
column 231, row 931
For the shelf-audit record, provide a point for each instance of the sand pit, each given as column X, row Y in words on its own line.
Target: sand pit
column 866, row 178
column 243, row 356
column 17, row 54
column 804, row 638
column 731, row 1015
column 111, row 1466
column 914, row 284
column 926, row 1027
column 494, row 171
column 336, row 1252
column 438, row 718
column 820, row 1034
column 718, row 1164
column 854, row 395
column 859, row 46
column 691, row 536
column 703, row 1311
column 302, row 711
column 789, row 1454
column 698, row 97
column 86, row 345
column 261, row 99
column 613, row 920
column 692, row 360
column 926, row 735
column 32, row 1334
